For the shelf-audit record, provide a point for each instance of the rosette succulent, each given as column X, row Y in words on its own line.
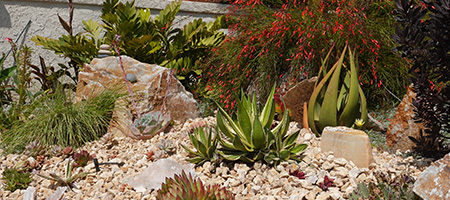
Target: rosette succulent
column 185, row 187
column 249, row 137
column 149, row 124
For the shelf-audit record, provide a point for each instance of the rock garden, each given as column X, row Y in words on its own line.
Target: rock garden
column 300, row 100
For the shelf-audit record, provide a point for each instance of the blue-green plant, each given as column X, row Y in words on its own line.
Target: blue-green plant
column 250, row 137
column 205, row 144
column 149, row 124
column 337, row 99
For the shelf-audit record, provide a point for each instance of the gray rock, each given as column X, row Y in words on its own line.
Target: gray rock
column 57, row 195
column 157, row 172
column 30, row 193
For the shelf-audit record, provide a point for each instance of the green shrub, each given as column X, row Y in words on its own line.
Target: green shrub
column 282, row 45
column 56, row 120
column 148, row 40
column 185, row 187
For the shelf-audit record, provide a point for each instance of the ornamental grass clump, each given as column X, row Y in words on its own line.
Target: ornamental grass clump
column 185, row 187
column 250, row 138
column 56, row 120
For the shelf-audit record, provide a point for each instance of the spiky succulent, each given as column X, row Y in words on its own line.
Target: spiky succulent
column 337, row 100
column 250, row 138
column 186, row 187
column 149, row 125
column 68, row 179
column 205, row 145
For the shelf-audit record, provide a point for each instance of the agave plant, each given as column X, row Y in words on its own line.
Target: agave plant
column 185, row 187
column 337, row 100
column 205, row 145
column 249, row 138
column 149, row 125
column 68, row 179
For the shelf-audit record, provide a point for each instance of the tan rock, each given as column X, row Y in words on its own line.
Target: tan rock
column 351, row 144
column 296, row 96
column 434, row 182
column 403, row 125
column 151, row 90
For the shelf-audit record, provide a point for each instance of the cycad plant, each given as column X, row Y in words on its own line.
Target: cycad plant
column 337, row 100
column 250, row 137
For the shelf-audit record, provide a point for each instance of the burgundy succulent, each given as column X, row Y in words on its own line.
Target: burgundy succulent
column 297, row 173
column 82, row 158
column 327, row 182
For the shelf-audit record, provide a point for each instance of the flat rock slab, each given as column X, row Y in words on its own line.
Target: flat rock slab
column 353, row 145
column 156, row 174
column 434, row 182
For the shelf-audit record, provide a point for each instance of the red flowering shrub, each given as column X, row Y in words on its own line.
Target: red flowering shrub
column 268, row 45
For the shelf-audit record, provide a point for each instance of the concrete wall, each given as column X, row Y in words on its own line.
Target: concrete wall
column 15, row 14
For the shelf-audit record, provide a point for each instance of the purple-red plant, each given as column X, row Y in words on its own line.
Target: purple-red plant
column 297, row 173
column 82, row 158
column 327, row 182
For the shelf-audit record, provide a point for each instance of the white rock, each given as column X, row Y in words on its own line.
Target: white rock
column 353, row 173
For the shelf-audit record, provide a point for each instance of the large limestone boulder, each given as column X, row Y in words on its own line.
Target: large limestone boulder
column 297, row 96
column 434, row 182
column 403, row 125
column 152, row 87
column 353, row 145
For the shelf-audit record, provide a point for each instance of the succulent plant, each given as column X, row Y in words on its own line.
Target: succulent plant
column 205, row 145
column 250, row 138
column 167, row 146
column 82, row 158
column 327, row 182
column 400, row 187
column 68, row 151
column 337, row 100
column 186, row 187
column 15, row 179
column 149, row 124
column 297, row 173
column 68, row 179
column 35, row 149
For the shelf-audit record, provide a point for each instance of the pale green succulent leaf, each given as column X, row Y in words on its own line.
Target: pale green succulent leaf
column 290, row 140
column 258, row 135
column 351, row 109
column 298, row 148
column 268, row 112
column 328, row 116
column 244, row 121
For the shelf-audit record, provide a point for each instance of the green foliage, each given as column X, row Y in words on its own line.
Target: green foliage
column 48, row 77
column 156, row 40
column 56, row 120
column 283, row 46
column 185, row 187
column 250, row 138
column 337, row 100
column 149, row 124
column 68, row 179
column 383, row 191
column 16, row 179
column 205, row 145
